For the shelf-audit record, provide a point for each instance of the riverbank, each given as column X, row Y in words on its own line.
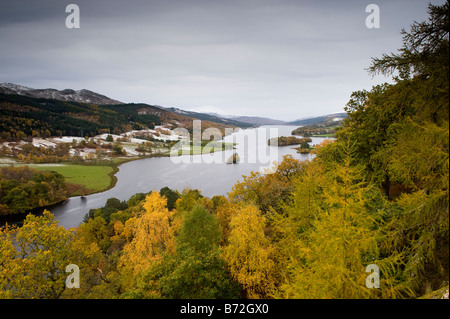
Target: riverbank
column 89, row 164
column 140, row 174
column 81, row 180
column 194, row 150
column 84, row 179
column 115, row 168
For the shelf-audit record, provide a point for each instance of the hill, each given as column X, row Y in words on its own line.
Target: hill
column 22, row 116
column 83, row 112
column 233, row 121
column 336, row 117
column 39, row 112
column 84, row 96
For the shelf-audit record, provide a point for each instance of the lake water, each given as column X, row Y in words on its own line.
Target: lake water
column 208, row 172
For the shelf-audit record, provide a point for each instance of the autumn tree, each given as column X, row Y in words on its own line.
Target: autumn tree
column 267, row 191
column 150, row 236
column 34, row 258
column 97, row 268
column 290, row 224
column 401, row 132
column 187, row 199
column 196, row 269
column 333, row 235
column 23, row 189
column 418, row 158
column 249, row 253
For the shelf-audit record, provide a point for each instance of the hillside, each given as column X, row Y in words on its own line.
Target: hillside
column 130, row 115
column 84, row 96
column 212, row 118
column 336, row 117
column 23, row 116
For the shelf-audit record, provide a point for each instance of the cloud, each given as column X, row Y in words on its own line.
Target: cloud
column 281, row 59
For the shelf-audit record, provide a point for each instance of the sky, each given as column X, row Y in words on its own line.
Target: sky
column 282, row 59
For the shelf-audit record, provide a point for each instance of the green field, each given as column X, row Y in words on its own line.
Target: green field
column 324, row 135
column 85, row 179
column 204, row 148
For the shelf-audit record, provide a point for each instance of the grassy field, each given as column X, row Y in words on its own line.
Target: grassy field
column 204, row 148
column 324, row 135
column 82, row 179
column 89, row 179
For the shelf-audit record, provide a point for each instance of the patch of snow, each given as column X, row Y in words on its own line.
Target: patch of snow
column 42, row 142
column 66, row 139
column 15, row 87
column 7, row 161
column 136, row 140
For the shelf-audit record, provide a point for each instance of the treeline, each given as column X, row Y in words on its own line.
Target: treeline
column 61, row 152
column 377, row 195
column 313, row 222
column 315, row 130
column 29, row 153
column 288, row 140
column 130, row 249
column 23, row 189
column 23, row 117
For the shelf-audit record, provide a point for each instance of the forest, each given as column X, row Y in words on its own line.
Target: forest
column 23, row 189
column 288, row 140
column 325, row 129
column 23, row 117
column 376, row 195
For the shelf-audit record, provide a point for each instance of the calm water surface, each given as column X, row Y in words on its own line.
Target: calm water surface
column 209, row 172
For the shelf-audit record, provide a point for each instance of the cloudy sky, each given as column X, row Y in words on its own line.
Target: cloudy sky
column 284, row 59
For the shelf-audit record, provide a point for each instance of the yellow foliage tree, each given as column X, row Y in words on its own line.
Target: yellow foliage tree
column 267, row 191
column 225, row 211
column 332, row 234
column 249, row 253
column 151, row 236
column 34, row 258
column 289, row 225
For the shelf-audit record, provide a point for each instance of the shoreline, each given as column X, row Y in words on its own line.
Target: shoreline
column 80, row 190
column 17, row 219
column 116, row 163
column 115, row 169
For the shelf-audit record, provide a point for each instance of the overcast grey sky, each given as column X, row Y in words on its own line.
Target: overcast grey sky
column 284, row 59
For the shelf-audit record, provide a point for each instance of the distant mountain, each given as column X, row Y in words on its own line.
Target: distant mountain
column 335, row 117
column 255, row 120
column 249, row 120
column 212, row 117
column 83, row 96
column 136, row 114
